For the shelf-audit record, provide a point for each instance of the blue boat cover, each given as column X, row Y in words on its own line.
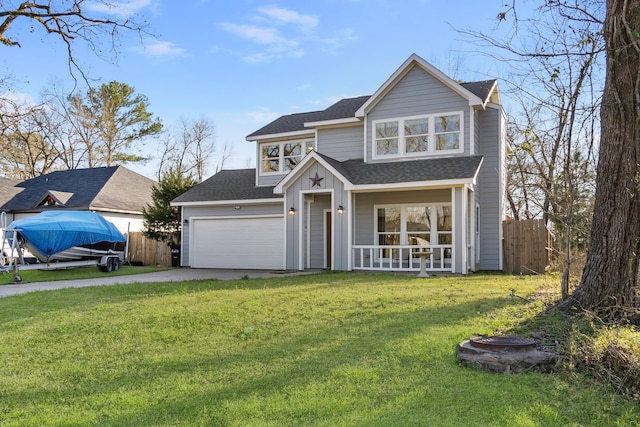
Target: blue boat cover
column 51, row 232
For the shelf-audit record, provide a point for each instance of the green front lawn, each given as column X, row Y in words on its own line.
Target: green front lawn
column 340, row 349
column 88, row 272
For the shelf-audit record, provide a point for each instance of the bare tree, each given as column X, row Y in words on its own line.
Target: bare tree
column 189, row 149
column 68, row 22
column 609, row 284
column 26, row 148
column 555, row 63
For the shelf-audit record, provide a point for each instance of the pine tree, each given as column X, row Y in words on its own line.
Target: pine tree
column 162, row 221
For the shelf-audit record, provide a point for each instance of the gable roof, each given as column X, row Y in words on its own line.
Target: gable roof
column 416, row 61
column 227, row 185
column 478, row 93
column 345, row 108
column 113, row 189
column 485, row 90
column 443, row 169
column 358, row 174
column 8, row 189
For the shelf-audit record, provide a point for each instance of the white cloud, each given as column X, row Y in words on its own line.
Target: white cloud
column 284, row 33
column 163, row 48
column 262, row 116
column 341, row 38
column 262, row 35
column 123, row 8
column 287, row 16
column 18, row 98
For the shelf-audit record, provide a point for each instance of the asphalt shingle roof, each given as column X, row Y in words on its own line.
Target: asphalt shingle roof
column 481, row 89
column 346, row 108
column 360, row 173
column 238, row 184
column 115, row 188
column 295, row 122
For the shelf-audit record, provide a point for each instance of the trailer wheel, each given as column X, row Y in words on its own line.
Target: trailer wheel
column 108, row 267
column 116, row 264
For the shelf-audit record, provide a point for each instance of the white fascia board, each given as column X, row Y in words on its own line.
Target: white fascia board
column 281, row 136
column 404, row 69
column 335, row 122
column 495, row 89
column 444, row 183
column 294, row 174
column 475, row 175
column 242, row 202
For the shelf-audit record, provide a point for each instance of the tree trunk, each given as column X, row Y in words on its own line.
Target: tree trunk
column 608, row 286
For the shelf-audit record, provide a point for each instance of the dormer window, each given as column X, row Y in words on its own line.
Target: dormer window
column 416, row 136
column 47, row 201
column 282, row 157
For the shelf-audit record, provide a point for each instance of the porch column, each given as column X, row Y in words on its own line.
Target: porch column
column 459, row 210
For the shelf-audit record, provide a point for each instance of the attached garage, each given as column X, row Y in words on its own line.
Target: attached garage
column 237, row 242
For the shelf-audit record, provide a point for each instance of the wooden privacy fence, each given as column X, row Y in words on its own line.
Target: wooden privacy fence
column 527, row 246
column 148, row 251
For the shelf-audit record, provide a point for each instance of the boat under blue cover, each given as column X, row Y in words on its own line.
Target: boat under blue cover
column 53, row 232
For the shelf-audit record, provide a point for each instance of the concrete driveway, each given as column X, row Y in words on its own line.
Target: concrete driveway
column 174, row 275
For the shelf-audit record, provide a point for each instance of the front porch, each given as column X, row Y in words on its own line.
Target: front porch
column 402, row 258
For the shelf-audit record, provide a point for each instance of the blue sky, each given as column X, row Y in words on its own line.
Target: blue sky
column 242, row 63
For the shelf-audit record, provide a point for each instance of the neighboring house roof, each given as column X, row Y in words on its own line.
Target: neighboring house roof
column 114, row 189
column 8, row 189
column 227, row 185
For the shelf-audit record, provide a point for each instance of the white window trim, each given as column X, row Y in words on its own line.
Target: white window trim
column 305, row 143
column 431, row 150
column 433, row 233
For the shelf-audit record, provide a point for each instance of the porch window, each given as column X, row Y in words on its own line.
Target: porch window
column 388, row 227
column 414, row 225
column 445, row 228
column 282, row 157
column 420, row 135
column 418, row 221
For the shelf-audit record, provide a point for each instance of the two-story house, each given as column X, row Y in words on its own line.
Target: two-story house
column 365, row 184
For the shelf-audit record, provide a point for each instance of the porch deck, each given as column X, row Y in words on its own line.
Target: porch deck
column 401, row 257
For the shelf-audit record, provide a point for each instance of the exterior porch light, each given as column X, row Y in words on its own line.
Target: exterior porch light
column 292, row 211
column 340, row 210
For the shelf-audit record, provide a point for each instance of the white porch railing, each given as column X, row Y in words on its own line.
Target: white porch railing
column 401, row 257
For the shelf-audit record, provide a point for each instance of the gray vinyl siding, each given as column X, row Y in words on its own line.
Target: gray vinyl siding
column 476, row 132
column 365, row 215
column 342, row 143
column 296, row 224
column 265, row 180
column 418, row 93
column 189, row 212
column 489, row 182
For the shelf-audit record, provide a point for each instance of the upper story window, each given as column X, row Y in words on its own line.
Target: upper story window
column 421, row 135
column 282, row 157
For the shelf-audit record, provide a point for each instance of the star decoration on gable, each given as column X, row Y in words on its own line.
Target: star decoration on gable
column 316, row 180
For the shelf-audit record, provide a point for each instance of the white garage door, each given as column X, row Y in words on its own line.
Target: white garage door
column 238, row 243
